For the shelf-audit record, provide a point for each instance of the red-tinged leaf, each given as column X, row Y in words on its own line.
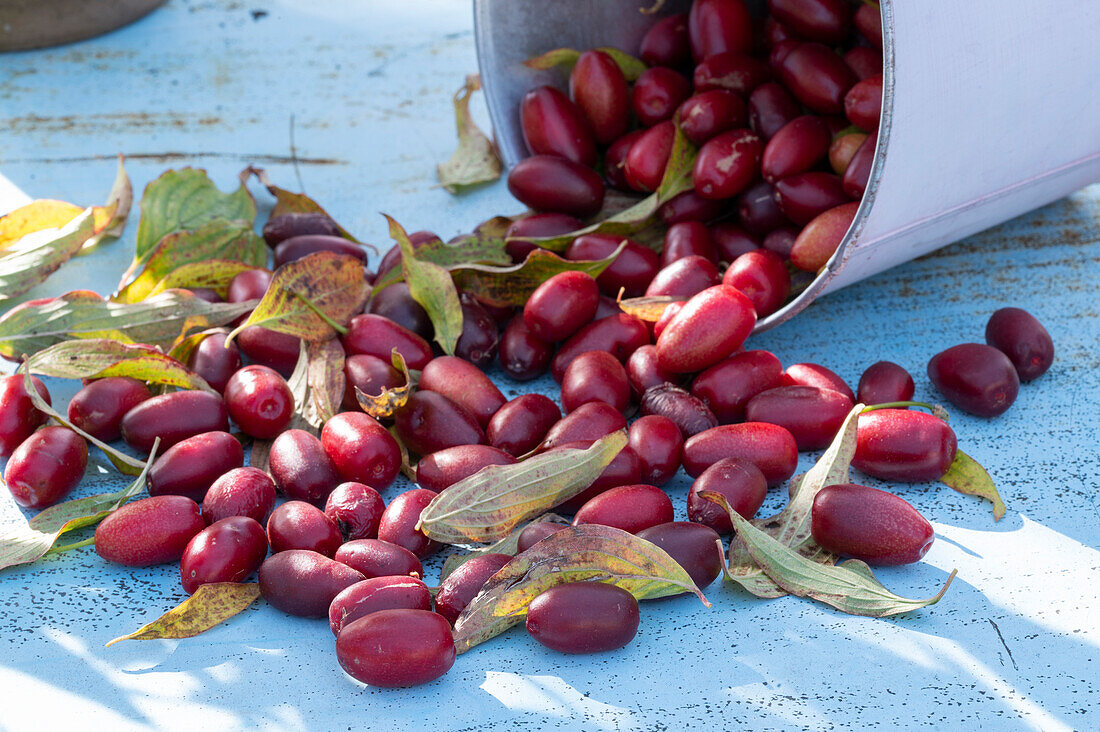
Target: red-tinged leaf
column 384, row 404
column 100, row 358
column 211, row 605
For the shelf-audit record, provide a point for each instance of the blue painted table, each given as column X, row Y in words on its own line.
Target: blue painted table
column 351, row 101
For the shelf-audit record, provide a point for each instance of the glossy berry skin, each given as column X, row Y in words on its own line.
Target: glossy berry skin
column 480, row 338
column 903, row 445
column 728, row 386
column 730, row 240
column 631, row 270
column 377, row 558
column 644, row 165
column 553, row 125
column 727, row 164
column 769, row 447
column 240, row 492
column 1021, row 337
column 735, row 72
column 561, row 305
column 520, row 425
column 812, row 374
column 285, row 226
column 595, row 376
column 884, row 382
column 378, row 336
column 301, row 525
column 371, row 375
column 356, row 509
column 828, row 21
column 658, row 443
column 600, row 91
column 684, row 278
column 395, row 648
column 687, row 239
column 709, row 113
column 631, row 508
column 762, row 277
column 864, row 61
column 583, row 617
column 689, row 206
column 215, row 362
column 259, row 401
column 858, row 173
column 398, row 525
column 462, row 585
column 868, row 22
column 18, row 416
column 667, row 43
column 796, row 148
column 301, row 468
column 46, row 467
column 693, row 546
column 226, row 551
column 817, row 76
column 820, row 238
column 304, row 583
column 803, row 197
column 717, row 26
column 614, row 163
column 551, row 184
column 865, row 523
column 464, row 384
column 589, row 422
column 298, row 247
column 430, row 422
column 148, row 531
column 191, row 466
column 619, row 334
column 771, row 107
column 863, row 103
column 643, row 372
column 842, row 149
column 270, row 348
column 375, row 594
column 535, row 532
column 813, row 415
column 976, row 378
column 174, row 417
column 743, row 486
column 361, row 450
column 396, row 303
column 624, row 469
column 687, row 412
column 657, row 93
column 442, row 469
column 710, row 327
column 99, row 407
column 523, row 355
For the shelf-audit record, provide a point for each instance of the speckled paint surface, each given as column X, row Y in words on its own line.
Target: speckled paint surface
column 358, row 94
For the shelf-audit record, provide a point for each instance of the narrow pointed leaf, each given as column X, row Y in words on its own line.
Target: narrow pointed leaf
column 211, row 605
column 383, row 405
column 566, row 58
column 505, row 286
column 475, row 161
column 30, row 542
column 966, row 476
column 156, row 321
column 484, row 246
column 849, row 587
column 312, row 297
column 31, row 260
column 507, row 545
column 289, row 202
column 588, row 552
column 432, row 287
column 490, row 503
column 111, row 219
column 100, row 358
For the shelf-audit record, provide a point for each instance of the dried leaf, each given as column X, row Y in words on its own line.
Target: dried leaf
column 648, row 309
column 966, row 476
column 260, row 453
column 508, row 545
column 325, row 378
column 99, row 358
column 312, row 298
column 383, row 405
column 504, row 286
column 124, row 463
column 29, row 543
column 185, row 200
column 29, row 261
column 490, row 503
column 216, row 240
column 631, row 67
column 588, row 552
column 432, row 287
column 849, row 587
column 211, row 605
column 156, row 321
column 475, row 161
column 289, row 202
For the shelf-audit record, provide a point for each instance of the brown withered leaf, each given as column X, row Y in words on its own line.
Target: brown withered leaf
column 97, row 358
column 588, row 552
column 312, row 298
column 487, row 505
column 476, row 160
column 211, row 605
column 325, row 378
column 383, row 405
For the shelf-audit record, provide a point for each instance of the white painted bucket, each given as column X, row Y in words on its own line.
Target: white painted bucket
column 991, row 108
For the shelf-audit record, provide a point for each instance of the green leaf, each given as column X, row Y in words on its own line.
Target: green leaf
column 507, row 545
column 966, row 476
column 211, row 605
column 213, row 274
column 99, row 358
column 124, row 463
column 490, row 503
column 288, row 202
column 631, row 67
column 216, row 240
column 184, row 200
column 33, row 258
column 156, row 321
column 384, row 404
column 432, row 287
column 475, row 161
column 849, row 587
column 588, row 552
column 312, row 298
column 484, row 246
column 29, row 543
column 504, row 286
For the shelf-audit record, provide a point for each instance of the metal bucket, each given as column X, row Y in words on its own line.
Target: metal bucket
column 990, row 109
